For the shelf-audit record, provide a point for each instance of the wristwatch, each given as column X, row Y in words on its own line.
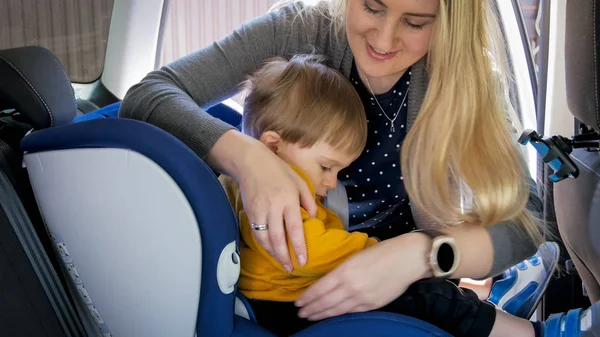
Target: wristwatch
column 444, row 255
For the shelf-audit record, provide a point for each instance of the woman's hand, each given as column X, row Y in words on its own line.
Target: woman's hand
column 271, row 191
column 368, row 280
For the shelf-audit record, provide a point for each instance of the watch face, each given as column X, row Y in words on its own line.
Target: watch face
column 445, row 257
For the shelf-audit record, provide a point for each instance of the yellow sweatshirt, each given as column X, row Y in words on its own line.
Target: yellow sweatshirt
column 327, row 242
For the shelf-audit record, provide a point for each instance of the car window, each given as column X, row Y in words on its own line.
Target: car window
column 194, row 24
column 76, row 31
column 530, row 10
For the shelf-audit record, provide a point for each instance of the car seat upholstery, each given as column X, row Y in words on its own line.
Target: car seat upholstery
column 577, row 201
column 33, row 299
column 35, row 84
column 140, row 227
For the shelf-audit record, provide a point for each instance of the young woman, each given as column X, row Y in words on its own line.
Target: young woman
column 431, row 78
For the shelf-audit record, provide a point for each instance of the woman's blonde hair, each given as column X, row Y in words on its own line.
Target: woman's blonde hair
column 468, row 107
column 306, row 102
column 463, row 137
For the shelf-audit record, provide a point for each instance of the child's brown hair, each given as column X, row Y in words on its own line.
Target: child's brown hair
column 306, row 102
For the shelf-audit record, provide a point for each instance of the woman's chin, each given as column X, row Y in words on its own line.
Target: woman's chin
column 374, row 69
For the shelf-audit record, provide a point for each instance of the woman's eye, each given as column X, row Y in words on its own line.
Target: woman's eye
column 325, row 169
column 369, row 9
column 413, row 26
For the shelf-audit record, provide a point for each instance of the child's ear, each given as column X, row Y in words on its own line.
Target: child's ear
column 272, row 140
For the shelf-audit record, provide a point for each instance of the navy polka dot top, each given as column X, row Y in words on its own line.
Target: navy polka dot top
column 378, row 202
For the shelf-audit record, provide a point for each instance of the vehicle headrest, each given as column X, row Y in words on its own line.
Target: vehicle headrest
column 34, row 83
column 582, row 61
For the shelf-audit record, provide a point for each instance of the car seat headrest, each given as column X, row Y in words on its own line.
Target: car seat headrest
column 582, row 61
column 35, row 84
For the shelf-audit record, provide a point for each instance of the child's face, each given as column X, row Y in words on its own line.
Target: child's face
column 320, row 162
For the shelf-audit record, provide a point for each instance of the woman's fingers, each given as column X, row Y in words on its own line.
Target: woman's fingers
column 307, row 201
column 277, row 237
column 295, row 231
column 262, row 237
column 347, row 307
column 280, row 198
column 344, row 307
column 293, row 219
column 328, row 303
column 324, row 285
column 272, row 192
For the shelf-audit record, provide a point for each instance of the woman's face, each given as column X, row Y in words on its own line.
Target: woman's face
column 388, row 36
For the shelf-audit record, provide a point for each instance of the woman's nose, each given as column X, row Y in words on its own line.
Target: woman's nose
column 387, row 37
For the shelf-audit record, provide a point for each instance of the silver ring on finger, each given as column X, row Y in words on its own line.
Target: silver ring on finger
column 259, row 227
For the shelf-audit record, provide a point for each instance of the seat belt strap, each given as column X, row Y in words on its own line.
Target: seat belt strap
column 337, row 201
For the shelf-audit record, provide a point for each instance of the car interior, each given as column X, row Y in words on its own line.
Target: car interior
column 108, row 226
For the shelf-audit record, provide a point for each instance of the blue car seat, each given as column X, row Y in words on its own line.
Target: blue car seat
column 227, row 113
column 146, row 238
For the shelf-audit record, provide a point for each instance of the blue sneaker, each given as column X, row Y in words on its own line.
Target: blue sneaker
column 574, row 323
column 522, row 286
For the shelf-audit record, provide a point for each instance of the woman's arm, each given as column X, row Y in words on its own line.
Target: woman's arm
column 175, row 97
column 374, row 277
column 486, row 252
column 510, row 242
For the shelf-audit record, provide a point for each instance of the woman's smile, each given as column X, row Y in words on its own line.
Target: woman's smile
column 379, row 55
